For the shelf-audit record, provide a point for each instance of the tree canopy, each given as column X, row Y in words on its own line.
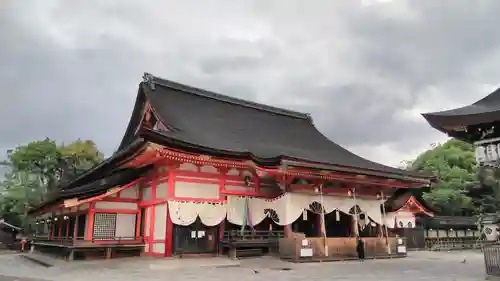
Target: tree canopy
column 463, row 187
column 37, row 169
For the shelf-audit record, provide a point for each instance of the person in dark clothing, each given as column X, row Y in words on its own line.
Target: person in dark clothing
column 360, row 249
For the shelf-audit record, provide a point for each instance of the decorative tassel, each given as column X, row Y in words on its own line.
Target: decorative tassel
column 337, row 215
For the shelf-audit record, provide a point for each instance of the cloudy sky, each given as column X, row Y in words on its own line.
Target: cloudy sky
column 364, row 69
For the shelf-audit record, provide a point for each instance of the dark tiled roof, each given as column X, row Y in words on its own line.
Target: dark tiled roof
column 401, row 196
column 486, row 110
column 107, row 166
column 116, row 179
column 201, row 118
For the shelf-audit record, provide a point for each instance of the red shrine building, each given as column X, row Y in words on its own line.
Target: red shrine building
column 196, row 169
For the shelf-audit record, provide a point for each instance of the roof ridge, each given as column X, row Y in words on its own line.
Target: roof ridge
column 152, row 80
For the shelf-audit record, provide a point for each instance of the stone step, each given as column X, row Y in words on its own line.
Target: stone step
column 40, row 259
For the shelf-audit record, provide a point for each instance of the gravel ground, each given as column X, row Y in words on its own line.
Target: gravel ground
column 440, row 266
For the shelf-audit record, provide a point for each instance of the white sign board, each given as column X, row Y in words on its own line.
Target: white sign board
column 306, row 252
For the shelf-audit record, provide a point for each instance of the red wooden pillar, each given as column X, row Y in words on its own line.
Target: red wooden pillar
column 139, row 213
column 288, row 231
column 67, row 226
column 90, row 222
column 169, row 225
column 152, row 216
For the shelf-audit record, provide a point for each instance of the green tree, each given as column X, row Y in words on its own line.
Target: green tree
column 36, row 170
column 454, row 165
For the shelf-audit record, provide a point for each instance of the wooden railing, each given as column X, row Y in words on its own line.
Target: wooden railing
column 233, row 235
column 70, row 241
column 455, row 243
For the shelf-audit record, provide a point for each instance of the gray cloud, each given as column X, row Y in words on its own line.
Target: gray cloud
column 363, row 69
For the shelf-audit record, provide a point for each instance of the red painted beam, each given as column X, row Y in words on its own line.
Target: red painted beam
column 115, row 211
column 119, row 199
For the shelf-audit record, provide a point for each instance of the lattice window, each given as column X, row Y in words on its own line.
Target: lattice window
column 104, row 226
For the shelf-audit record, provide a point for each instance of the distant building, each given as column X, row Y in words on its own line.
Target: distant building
column 8, row 234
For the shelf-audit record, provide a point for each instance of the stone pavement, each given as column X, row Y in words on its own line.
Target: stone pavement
column 442, row 266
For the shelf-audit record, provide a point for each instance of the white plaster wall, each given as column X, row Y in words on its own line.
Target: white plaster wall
column 146, row 193
column 239, row 188
column 115, row 206
column 84, row 207
column 389, row 220
column 86, row 226
column 160, row 221
column 159, row 248
column 197, row 190
column 233, row 172
column 188, row 167
column 162, row 190
column 131, row 192
column 442, row 233
column 469, row 233
column 148, row 221
column 432, row 233
column 209, row 169
column 125, row 226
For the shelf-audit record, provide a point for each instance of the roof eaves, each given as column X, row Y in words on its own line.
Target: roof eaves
column 129, row 149
column 414, row 178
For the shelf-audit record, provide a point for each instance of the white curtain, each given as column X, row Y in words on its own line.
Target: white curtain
column 182, row 213
column 235, row 212
column 186, row 213
column 287, row 208
column 212, row 214
column 371, row 208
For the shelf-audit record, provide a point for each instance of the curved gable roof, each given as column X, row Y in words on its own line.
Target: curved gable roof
column 233, row 126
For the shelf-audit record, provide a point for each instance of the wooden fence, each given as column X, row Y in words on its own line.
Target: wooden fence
column 492, row 259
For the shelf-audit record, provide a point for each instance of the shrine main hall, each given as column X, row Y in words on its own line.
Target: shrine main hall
column 197, row 171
